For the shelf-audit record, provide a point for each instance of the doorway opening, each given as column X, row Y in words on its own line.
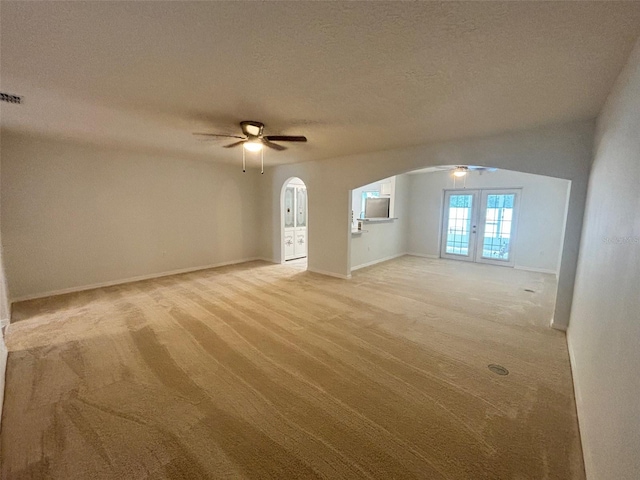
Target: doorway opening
column 480, row 225
column 294, row 216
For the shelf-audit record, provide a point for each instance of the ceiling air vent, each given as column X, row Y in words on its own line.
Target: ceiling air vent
column 7, row 97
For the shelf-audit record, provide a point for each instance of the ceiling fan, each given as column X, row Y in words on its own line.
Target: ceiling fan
column 253, row 139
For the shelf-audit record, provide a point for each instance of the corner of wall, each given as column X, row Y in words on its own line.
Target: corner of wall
column 3, row 370
column 558, row 326
column 577, row 394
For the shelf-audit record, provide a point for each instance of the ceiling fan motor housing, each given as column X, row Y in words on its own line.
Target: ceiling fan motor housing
column 252, row 129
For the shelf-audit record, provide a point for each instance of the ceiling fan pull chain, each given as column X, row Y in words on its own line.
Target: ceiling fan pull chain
column 262, row 161
column 244, row 164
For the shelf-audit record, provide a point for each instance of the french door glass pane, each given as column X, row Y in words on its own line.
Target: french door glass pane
column 459, row 224
column 288, row 207
column 301, row 201
column 497, row 227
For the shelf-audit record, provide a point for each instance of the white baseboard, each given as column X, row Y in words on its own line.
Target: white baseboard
column 131, row 280
column 534, row 269
column 329, row 274
column 380, row 260
column 423, row 255
column 577, row 393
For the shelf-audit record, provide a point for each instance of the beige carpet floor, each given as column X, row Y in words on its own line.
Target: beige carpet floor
column 269, row 371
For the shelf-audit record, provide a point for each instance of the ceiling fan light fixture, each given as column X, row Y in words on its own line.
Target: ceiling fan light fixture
column 460, row 172
column 253, row 146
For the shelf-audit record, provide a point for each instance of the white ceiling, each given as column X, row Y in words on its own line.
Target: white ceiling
column 352, row 77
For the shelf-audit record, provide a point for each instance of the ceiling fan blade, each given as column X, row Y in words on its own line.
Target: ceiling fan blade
column 443, row 168
column 286, row 138
column 275, row 146
column 235, row 144
column 216, row 135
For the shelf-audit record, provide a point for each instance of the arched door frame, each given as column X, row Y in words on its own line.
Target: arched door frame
column 282, row 190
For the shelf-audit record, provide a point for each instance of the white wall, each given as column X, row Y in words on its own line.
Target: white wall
column 3, row 371
column 5, row 306
column 604, row 335
column 381, row 241
column 562, row 151
column 76, row 215
column 542, row 213
column 5, row 314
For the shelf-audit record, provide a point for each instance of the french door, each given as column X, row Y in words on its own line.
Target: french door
column 295, row 222
column 480, row 225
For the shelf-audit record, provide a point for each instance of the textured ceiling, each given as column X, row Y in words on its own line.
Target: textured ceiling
column 353, row 77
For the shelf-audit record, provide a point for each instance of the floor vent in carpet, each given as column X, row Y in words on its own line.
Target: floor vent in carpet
column 498, row 369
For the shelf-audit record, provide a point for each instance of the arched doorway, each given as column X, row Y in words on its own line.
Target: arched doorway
column 294, row 221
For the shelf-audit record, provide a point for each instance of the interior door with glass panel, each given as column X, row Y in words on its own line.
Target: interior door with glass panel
column 295, row 222
column 459, row 225
column 497, row 218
